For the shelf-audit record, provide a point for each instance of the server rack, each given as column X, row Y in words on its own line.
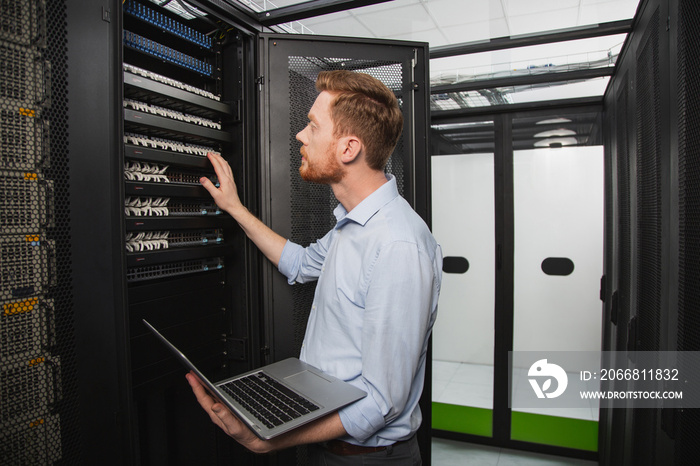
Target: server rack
column 107, row 213
column 31, row 377
column 651, row 276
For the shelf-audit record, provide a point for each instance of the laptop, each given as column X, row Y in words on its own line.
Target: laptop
column 276, row 398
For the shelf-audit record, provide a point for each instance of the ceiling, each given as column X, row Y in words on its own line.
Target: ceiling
column 505, row 76
column 445, row 22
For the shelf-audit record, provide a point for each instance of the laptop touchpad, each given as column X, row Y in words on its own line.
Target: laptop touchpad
column 305, row 379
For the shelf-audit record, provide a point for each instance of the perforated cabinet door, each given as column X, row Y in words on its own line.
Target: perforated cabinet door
column 301, row 211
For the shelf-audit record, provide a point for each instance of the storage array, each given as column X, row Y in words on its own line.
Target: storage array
column 30, row 375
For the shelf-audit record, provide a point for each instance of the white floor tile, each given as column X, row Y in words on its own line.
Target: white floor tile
column 439, row 387
column 476, row 374
column 451, row 453
column 479, row 396
column 472, row 385
column 444, row 370
column 525, row 458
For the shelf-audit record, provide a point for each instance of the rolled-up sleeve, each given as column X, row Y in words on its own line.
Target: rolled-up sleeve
column 300, row 264
column 397, row 319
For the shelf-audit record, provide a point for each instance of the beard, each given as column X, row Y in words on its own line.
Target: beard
column 324, row 171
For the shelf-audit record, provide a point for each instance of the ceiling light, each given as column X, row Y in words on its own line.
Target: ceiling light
column 556, row 133
column 556, row 142
column 553, row 121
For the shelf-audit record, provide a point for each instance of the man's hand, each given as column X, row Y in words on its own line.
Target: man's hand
column 321, row 430
column 226, row 420
column 226, row 195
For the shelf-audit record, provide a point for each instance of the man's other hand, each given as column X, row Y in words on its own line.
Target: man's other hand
column 225, row 419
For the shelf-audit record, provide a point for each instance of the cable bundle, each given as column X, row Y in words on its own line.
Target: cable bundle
column 173, row 114
column 146, row 206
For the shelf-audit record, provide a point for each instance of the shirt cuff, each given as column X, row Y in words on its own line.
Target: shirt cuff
column 358, row 422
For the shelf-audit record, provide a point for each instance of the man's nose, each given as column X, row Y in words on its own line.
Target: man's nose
column 300, row 136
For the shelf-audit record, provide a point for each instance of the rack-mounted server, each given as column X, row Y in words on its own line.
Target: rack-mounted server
column 30, row 368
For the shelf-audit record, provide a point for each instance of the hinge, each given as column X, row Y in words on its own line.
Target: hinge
column 614, row 306
column 632, row 328
column 260, row 81
column 235, row 348
column 265, row 351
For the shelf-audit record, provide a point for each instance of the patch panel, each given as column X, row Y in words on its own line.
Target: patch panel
column 183, row 9
column 158, row 50
column 152, row 272
column 172, row 114
column 167, row 144
column 156, row 240
column 164, row 207
column 157, row 173
column 152, row 172
column 170, row 82
column 166, row 23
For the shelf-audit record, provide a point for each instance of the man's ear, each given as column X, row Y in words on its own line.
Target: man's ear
column 351, row 147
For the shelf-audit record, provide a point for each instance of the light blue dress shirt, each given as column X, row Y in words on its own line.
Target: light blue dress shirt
column 379, row 272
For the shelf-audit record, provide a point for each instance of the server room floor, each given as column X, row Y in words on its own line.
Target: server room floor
column 472, row 385
column 452, row 453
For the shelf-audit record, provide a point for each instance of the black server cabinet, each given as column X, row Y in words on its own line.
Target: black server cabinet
column 37, row 360
column 651, row 272
column 149, row 91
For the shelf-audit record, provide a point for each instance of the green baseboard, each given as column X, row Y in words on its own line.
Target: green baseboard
column 579, row 434
column 463, row 419
column 564, row 432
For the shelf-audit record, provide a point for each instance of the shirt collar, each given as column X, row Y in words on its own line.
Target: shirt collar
column 370, row 205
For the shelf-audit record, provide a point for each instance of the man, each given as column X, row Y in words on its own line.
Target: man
column 378, row 271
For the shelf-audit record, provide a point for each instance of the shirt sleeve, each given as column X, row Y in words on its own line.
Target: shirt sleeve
column 300, row 264
column 396, row 323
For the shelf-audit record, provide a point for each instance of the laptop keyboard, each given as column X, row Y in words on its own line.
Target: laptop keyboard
column 270, row 401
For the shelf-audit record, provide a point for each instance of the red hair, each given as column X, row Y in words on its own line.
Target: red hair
column 364, row 107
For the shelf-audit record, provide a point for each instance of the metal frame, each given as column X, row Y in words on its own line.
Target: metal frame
column 547, row 37
column 96, row 255
column 310, row 9
column 504, row 257
column 575, row 75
